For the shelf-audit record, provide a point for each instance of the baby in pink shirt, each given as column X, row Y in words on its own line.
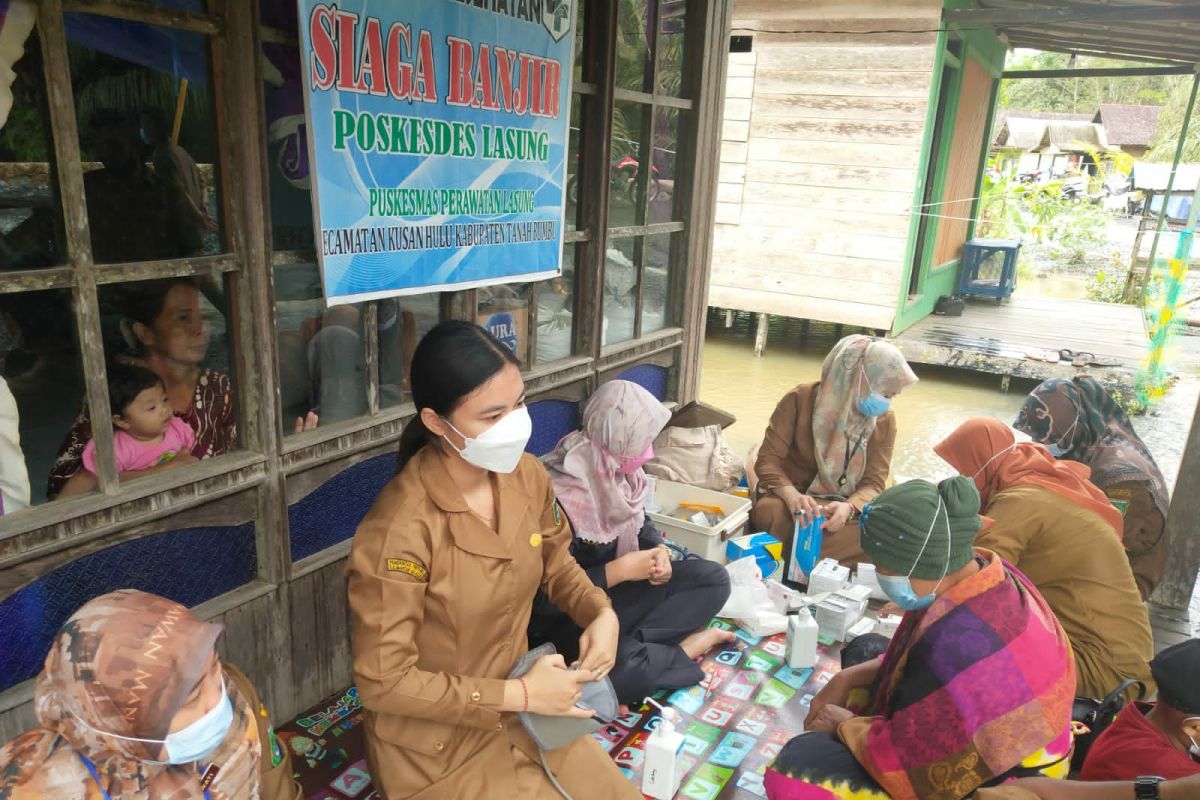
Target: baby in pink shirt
column 148, row 434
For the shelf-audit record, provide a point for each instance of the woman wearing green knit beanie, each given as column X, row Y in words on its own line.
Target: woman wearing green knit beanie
column 973, row 621
column 921, row 530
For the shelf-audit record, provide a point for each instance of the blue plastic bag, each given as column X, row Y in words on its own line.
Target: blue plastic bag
column 806, row 549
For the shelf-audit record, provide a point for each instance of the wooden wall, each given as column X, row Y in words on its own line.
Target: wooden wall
column 820, row 157
column 962, row 171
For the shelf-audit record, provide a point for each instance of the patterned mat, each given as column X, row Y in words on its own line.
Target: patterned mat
column 735, row 722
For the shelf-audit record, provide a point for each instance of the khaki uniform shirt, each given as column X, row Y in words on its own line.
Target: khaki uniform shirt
column 440, row 603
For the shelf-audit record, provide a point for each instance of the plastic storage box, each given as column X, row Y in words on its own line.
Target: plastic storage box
column 703, row 540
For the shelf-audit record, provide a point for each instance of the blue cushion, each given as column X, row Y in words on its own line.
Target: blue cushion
column 650, row 377
column 189, row 566
column 330, row 513
column 552, row 420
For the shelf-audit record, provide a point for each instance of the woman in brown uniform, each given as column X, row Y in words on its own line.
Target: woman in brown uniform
column 828, row 447
column 1078, row 420
column 442, row 575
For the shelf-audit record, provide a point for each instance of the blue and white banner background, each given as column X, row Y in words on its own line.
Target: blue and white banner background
column 438, row 130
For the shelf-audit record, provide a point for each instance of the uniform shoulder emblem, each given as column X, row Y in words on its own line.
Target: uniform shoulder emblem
column 409, row 567
column 557, row 513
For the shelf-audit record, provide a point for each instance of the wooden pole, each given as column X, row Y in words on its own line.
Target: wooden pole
column 1162, row 215
column 1179, row 580
column 179, row 103
column 760, row 335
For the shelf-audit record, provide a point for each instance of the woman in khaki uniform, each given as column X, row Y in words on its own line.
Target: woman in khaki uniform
column 828, row 446
column 1061, row 531
column 442, row 576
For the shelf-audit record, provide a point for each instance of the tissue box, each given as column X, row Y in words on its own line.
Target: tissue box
column 858, row 595
column 836, row 616
column 866, row 576
column 827, row 576
column 887, row 625
column 766, row 550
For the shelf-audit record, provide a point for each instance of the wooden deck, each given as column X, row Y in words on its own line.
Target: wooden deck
column 997, row 338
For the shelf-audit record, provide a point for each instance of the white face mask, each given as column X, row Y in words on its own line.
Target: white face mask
column 1195, row 748
column 195, row 741
column 499, row 448
column 975, row 477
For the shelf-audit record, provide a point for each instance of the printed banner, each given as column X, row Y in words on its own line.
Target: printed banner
column 438, row 132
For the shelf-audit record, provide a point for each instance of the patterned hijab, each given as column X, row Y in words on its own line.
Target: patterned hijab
column 840, row 431
column 124, row 664
column 1080, row 415
column 621, row 421
column 987, row 450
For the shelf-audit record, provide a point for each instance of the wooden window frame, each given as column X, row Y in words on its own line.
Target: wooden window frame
column 267, row 462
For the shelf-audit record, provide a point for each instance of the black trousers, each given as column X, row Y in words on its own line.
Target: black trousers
column 655, row 619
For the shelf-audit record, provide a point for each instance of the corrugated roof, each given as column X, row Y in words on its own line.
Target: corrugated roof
column 1024, row 129
column 1072, row 137
column 1152, row 176
column 1128, row 125
column 1142, row 30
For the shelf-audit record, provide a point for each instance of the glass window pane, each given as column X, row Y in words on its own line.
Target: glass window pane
column 31, row 227
column 144, row 100
column 177, row 329
column 670, row 46
column 634, row 68
column 402, row 323
column 656, row 280
column 628, row 133
column 322, row 358
column 660, row 187
column 573, row 162
column 556, row 311
column 41, row 391
column 580, row 16
column 504, row 311
column 287, row 143
column 620, row 290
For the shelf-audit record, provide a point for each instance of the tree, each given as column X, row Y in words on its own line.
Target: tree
column 1081, row 95
column 1170, row 124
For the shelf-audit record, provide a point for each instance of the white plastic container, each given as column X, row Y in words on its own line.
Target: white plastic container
column 703, row 540
column 802, row 640
column 827, row 576
column 662, row 773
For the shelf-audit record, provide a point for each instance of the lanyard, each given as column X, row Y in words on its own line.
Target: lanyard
column 87, row 762
column 851, row 452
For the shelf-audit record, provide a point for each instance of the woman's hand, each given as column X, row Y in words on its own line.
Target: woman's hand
column 837, row 691
column 800, row 505
column 836, row 515
column 554, row 690
column 828, row 719
column 307, row 423
column 635, row 566
column 660, row 569
column 598, row 644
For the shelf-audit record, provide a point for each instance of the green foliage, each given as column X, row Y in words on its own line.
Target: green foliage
column 1078, row 231
column 1106, row 286
column 1170, row 124
column 1081, row 95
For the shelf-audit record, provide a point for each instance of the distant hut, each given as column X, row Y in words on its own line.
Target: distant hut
column 1129, row 127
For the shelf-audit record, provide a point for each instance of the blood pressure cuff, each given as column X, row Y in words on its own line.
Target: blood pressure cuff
column 550, row 733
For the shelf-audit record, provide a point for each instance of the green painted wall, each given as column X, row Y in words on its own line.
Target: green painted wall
column 985, row 47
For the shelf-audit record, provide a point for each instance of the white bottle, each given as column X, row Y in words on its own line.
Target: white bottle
column 661, row 774
column 802, row 640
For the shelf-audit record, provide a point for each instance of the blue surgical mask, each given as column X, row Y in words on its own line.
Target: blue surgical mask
column 1056, row 449
column 204, row 735
column 899, row 588
column 874, row 404
column 195, row 741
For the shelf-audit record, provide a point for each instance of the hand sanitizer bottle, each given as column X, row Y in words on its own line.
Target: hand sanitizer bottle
column 661, row 774
column 802, row 640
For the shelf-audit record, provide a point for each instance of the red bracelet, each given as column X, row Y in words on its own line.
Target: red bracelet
column 525, row 692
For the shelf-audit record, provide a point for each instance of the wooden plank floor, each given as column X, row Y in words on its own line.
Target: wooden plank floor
column 996, row 338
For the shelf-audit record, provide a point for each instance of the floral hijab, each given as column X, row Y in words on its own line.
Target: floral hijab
column 124, row 664
column 1081, row 417
column 840, row 430
column 620, row 422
